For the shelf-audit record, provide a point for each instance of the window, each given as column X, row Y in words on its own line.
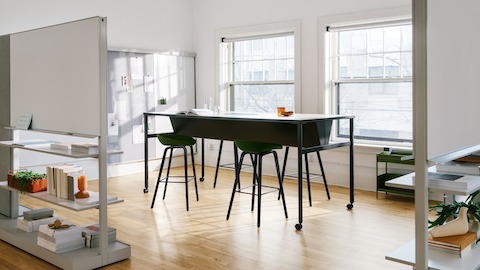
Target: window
column 372, row 79
column 258, row 69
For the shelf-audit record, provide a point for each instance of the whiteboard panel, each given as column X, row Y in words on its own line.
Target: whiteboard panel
column 453, row 76
column 55, row 75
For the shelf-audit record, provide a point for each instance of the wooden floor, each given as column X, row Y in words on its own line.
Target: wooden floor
column 169, row 237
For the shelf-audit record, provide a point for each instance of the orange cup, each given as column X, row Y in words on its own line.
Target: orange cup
column 280, row 111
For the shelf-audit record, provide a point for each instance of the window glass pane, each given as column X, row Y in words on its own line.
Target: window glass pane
column 246, row 50
column 392, row 65
column 359, row 42
column 269, row 49
column 257, row 49
column 270, row 70
column 393, row 39
column 359, row 66
column 375, row 65
column 263, row 98
column 375, row 40
column 290, row 69
column 383, row 111
column 344, row 67
column 257, row 71
column 407, row 64
column 290, row 46
column 281, row 67
column 406, row 37
column 280, row 47
column 344, row 42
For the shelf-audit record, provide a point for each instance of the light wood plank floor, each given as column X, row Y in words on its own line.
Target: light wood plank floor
column 169, row 237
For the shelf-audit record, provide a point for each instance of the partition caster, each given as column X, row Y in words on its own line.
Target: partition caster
column 298, row 226
column 202, row 179
column 350, row 206
column 145, row 190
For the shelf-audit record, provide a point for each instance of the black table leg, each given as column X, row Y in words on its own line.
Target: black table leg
column 202, row 178
column 145, row 143
column 299, row 226
column 350, row 206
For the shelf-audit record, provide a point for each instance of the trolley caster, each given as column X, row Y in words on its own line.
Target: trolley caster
column 202, row 179
column 298, row 226
column 145, row 190
column 350, row 206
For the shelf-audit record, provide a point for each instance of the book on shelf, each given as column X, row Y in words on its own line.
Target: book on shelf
column 92, row 235
column 458, row 252
column 60, row 240
column 58, row 184
column 74, row 244
column 85, row 148
column 455, row 241
column 452, row 181
column 459, row 168
column 33, row 225
column 60, row 146
column 63, row 232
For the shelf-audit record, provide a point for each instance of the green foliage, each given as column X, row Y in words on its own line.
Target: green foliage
column 23, row 178
column 447, row 212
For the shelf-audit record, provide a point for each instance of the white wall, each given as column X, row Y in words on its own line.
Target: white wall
column 160, row 25
column 190, row 25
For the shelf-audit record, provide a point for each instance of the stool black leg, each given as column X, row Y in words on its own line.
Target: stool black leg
column 280, row 182
column 168, row 172
column 254, row 178
column 323, row 174
column 285, row 158
column 237, row 177
column 185, row 160
column 159, row 177
column 259, row 183
column 218, row 163
column 194, row 172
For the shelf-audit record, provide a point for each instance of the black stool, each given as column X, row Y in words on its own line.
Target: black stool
column 258, row 150
column 173, row 141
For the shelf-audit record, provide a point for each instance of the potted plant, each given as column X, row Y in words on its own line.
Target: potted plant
column 447, row 212
column 26, row 180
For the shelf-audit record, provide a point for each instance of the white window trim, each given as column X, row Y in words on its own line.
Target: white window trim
column 221, row 79
column 326, row 84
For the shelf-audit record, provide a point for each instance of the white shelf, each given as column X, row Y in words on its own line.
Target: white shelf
column 84, row 258
column 44, row 147
column 437, row 259
column 406, row 182
column 77, row 205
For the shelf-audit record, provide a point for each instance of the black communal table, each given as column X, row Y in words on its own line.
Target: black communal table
column 307, row 132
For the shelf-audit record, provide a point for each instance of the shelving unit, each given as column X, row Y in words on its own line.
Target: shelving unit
column 85, row 258
column 48, row 93
column 395, row 158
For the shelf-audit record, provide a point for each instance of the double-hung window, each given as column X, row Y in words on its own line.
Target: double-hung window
column 260, row 72
column 372, row 79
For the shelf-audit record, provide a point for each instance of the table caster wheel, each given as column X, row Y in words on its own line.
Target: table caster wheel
column 145, row 190
column 202, row 179
column 298, row 226
column 349, row 206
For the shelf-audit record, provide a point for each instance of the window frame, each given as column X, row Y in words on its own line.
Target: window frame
column 333, row 80
column 223, row 57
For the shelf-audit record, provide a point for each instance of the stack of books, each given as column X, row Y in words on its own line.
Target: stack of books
column 92, row 235
column 62, row 180
column 459, row 168
column 449, row 181
column 458, row 244
column 62, row 239
column 85, row 148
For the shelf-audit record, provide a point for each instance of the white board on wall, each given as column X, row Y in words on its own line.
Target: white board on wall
column 453, row 76
column 55, row 75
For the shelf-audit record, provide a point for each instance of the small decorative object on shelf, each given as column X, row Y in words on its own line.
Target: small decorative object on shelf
column 82, row 187
column 458, row 226
column 26, row 180
column 448, row 213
